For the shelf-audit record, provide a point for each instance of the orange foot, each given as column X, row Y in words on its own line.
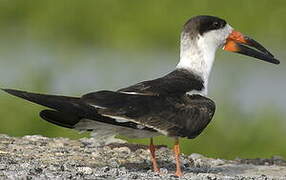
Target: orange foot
column 179, row 173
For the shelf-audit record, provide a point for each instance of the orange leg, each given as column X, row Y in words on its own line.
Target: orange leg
column 152, row 151
column 177, row 157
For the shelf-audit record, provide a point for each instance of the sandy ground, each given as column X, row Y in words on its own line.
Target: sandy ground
column 37, row 157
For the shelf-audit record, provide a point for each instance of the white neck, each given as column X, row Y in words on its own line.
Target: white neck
column 197, row 57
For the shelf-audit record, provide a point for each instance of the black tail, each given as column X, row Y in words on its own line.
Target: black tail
column 60, row 103
column 66, row 120
column 68, row 110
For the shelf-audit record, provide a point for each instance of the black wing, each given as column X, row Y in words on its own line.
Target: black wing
column 184, row 116
column 177, row 82
column 192, row 118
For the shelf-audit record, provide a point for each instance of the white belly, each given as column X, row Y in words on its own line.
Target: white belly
column 105, row 133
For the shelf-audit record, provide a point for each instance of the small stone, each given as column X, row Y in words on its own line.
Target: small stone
column 105, row 169
column 35, row 171
column 85, row 170
column 2, row 166
column 124, row 150
column 217, row 162
column 163, row 170
column 4, row 136
column 35, row 137
column 196, row 156
column 3, row 152
column 52, row 168
column 133, row 176
column 25, row 165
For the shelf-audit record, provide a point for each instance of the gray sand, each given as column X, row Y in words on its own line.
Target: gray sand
column 37, row 157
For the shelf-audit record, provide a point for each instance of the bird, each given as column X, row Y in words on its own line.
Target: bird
column 175, row 105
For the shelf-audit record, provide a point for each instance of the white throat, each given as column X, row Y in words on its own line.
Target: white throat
column 197, row 53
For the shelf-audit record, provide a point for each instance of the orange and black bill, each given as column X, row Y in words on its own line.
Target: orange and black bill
column 236, row 42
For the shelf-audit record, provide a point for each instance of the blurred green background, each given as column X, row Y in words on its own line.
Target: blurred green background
column 74, row 47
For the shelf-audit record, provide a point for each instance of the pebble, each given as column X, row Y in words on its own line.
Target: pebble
column 217, row 162
column 85, row 170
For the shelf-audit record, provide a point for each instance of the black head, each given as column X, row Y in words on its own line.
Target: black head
column 203, row 24
column 207, row 33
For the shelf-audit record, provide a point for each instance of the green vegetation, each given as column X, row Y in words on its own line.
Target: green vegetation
column 132, row 24
column 149, row 26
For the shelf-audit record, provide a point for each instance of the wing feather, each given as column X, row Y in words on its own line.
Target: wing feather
column 184, row 116
column 177, row 82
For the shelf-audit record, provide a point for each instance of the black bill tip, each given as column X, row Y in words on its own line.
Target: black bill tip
column 276, row 61
column 251, row 42
column 257, row 54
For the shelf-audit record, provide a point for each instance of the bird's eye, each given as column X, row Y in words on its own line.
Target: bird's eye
column 216, row 24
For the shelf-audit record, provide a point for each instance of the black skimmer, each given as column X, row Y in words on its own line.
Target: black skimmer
column 174, row 105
